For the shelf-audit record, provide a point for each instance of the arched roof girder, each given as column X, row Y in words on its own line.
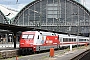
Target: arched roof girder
column 32, row 3
column 81, row 6
column 3, row 19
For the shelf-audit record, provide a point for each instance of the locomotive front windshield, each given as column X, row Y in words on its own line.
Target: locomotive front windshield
column 26, row 36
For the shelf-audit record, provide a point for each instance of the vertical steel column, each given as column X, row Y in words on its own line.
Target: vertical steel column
column 14, row 38
column 40, row 13
column 65, row 12
column 6, row 37
column 58, row 15
column 77, row 32
column 40, row 20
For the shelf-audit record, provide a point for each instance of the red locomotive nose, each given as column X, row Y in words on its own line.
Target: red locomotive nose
column 26, row 43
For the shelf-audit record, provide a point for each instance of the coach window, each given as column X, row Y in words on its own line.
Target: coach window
column 64, row 39
column 80, row 39
column 84, row 39
column 69, row 39
column 74, row 40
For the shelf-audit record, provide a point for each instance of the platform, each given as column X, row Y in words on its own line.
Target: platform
column 8, row 52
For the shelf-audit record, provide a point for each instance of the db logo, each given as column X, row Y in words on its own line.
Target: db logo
column 49, row 41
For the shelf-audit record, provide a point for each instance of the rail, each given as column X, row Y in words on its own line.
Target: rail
column 78, row 57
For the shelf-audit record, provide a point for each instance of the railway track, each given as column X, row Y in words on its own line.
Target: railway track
column 80, row 56
column 40, row 55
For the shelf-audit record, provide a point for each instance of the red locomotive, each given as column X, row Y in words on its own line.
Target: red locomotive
column 32, row 41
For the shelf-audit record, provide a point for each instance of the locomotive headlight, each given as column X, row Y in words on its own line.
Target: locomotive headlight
column 34, row 47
